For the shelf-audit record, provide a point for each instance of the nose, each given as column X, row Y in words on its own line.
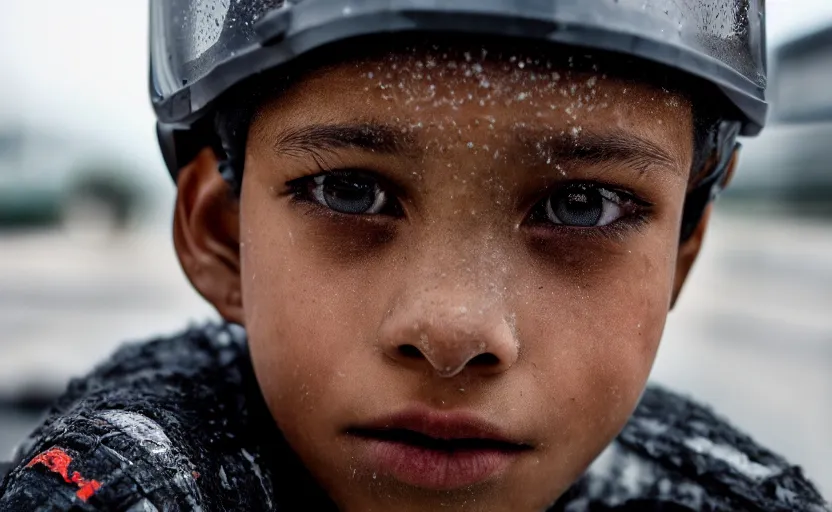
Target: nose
column 449, row 333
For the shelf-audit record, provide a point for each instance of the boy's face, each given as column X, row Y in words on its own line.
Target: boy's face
column 492, row 256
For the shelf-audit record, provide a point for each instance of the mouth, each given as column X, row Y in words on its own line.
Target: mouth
column 418, row 439
column 437, row 451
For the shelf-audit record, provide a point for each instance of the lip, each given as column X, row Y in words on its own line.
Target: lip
column 437, row 450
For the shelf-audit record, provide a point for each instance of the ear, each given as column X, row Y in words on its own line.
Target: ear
column 206, row 234
column 689, row 249
column 688, row 252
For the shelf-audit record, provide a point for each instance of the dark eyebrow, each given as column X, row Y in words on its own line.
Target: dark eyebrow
column 367, row 136
column 593, row 148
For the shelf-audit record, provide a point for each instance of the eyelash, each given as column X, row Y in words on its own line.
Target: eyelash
column 635, row 217
column 301, row 190
column 634, row 222
column 637, row 213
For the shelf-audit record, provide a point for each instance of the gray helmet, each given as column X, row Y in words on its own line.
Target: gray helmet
column 201, row 48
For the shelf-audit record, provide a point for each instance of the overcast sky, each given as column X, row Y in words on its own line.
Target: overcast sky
column 83, row 64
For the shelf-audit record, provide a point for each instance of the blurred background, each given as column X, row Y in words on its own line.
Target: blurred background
column 86, row 259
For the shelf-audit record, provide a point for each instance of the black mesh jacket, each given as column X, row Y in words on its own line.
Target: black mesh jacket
column 179, row 424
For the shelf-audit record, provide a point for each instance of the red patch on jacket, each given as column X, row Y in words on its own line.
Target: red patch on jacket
column 57, row 461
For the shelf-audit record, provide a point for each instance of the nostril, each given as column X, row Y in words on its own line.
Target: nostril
column 410, row 352
column 487, row 359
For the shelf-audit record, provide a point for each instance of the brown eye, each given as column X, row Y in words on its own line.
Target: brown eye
column 584, row 205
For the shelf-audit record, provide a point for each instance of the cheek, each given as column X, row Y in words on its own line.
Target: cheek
column 309, row 322
column 596, row 328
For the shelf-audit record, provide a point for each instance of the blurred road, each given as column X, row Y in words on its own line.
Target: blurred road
column 752, row 334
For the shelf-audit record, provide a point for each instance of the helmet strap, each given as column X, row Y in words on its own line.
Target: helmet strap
column 231, row 127
column 707, row 190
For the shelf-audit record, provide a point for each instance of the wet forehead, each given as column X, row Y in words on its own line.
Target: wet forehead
column 451, row 95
